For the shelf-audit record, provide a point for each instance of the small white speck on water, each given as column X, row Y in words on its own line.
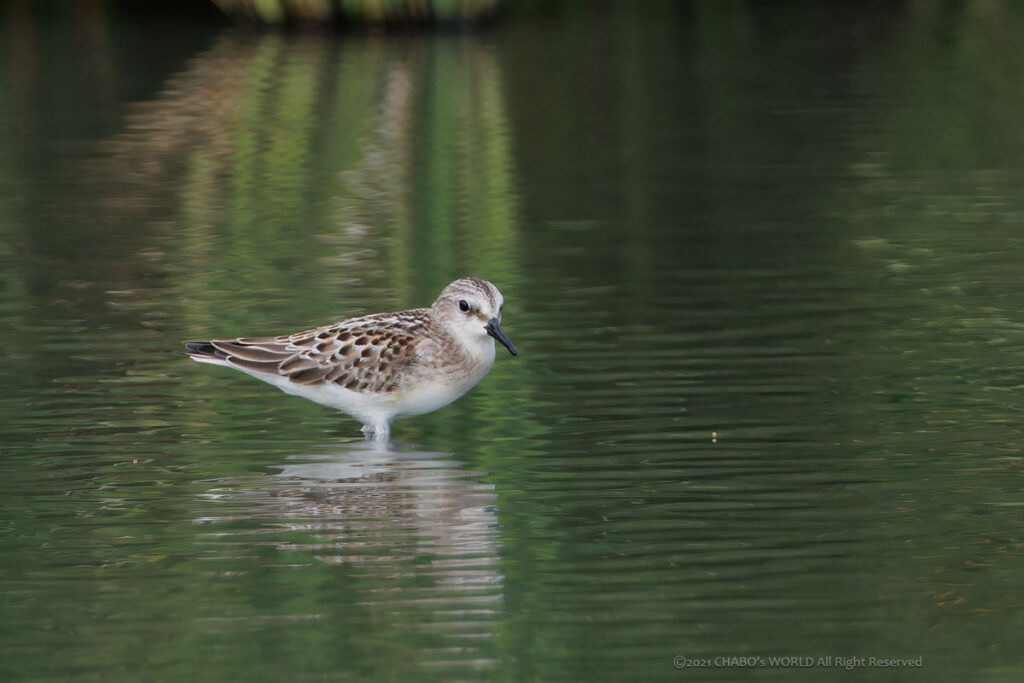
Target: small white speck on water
column 714, row 437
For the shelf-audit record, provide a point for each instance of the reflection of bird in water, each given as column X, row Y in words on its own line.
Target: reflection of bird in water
column 364, row 503
column 379, row 367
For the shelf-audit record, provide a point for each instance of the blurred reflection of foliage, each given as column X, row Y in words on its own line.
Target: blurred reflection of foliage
column 364, row 11
column 938, row 175
column 290, row 164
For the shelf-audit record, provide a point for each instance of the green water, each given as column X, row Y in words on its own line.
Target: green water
column 763, row 264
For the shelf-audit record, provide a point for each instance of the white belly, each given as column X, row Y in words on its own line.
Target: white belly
column 377, row 407
column 422, row 393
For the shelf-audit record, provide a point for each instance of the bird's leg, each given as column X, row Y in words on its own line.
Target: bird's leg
column 378, row 431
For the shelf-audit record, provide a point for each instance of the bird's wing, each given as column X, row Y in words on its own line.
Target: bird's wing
column 361, row 354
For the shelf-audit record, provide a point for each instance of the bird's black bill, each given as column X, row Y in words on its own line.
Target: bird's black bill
column 493, row 328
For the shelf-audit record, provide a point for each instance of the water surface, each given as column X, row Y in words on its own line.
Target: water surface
column 762, row 265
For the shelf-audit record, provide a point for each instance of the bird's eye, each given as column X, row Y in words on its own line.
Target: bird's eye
column 463, row 305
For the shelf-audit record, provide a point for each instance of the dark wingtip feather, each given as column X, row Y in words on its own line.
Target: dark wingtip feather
column 203, row 348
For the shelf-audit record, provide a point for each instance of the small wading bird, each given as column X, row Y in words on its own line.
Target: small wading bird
column 382, row 366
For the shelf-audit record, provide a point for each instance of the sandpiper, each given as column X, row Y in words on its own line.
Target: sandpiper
column 382, row 366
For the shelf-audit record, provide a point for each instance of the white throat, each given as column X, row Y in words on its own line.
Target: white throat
column 479, row 348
